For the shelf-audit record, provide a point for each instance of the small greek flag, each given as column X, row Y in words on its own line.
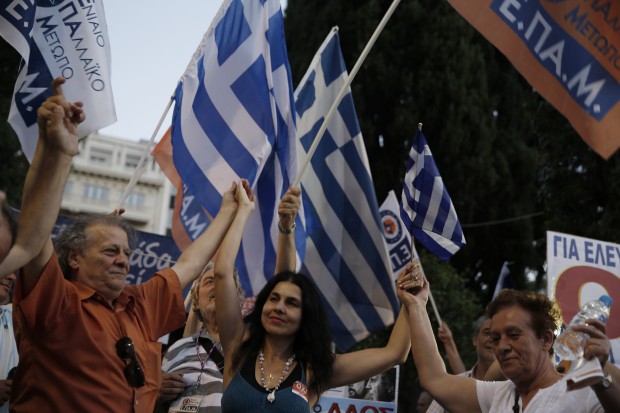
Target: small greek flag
column 426, row 209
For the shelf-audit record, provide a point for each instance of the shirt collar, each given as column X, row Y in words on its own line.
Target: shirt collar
column 125, row 300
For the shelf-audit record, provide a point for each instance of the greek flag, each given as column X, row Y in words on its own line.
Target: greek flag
column 426, row 209
column 234, row 118
column 345, row 252
column 68, row 39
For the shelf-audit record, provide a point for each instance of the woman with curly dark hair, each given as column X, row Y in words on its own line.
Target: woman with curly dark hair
column 280, row 359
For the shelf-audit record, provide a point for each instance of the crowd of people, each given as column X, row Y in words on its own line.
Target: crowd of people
column 78, row 338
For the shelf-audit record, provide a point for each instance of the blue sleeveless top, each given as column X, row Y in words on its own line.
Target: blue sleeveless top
column 244, row 394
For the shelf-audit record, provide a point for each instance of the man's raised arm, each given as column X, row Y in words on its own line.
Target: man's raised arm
column 44, row 186
column 193, row 260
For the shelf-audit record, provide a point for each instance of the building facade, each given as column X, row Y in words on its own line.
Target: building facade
column 99, row 175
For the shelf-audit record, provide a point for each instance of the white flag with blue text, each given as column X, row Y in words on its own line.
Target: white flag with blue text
column 234, row 118
column 345, row 252
column 427, row 210
column 397, row 237
column 68, row 39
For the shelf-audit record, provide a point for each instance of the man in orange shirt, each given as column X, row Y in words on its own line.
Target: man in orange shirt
column 89, row 341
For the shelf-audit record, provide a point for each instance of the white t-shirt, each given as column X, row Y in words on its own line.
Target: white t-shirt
column 436, row 407
column 499, row 397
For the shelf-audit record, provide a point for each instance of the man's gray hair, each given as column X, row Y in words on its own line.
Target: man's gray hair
column 478, row 324
column 74, row 237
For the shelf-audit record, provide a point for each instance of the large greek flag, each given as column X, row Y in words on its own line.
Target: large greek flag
column 345, row 252
column 68, row 39
column 234, row 119
column 427, row 210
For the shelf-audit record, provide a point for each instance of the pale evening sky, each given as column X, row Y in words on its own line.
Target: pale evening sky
column 151, row 43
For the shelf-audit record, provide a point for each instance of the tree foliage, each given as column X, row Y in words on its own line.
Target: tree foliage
column 474, row 107
column 458, row 306
column 513, row 166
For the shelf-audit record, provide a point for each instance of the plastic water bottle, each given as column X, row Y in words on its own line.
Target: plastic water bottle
column 569, row 344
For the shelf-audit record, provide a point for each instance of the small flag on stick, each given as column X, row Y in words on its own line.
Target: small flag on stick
column 427, row 210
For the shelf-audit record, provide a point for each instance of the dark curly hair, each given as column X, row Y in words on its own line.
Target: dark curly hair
column 74, row 237
column 545, row 314
column 312, row 344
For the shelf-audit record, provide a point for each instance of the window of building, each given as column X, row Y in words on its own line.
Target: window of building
column 132, row 160
column 96, row 192
column 100, row 156
column 135, row 199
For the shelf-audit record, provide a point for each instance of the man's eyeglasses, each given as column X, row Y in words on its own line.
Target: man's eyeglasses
column 133, row 370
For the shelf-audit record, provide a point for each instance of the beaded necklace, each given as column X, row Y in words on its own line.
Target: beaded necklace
column 261, row 360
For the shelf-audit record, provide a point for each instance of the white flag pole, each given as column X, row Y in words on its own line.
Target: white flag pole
column 430, row 296
column 344, row 89
column 141, row 164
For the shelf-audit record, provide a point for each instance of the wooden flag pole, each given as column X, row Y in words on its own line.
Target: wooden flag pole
column 140, row 167
column 344, row 90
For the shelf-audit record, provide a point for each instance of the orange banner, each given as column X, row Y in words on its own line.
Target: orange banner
column 189, row 219
column 569, row 51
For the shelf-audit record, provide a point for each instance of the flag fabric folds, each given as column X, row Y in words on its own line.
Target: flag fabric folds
column 234, row 118
column 427, row 209
column 189, row 218
column 66, row 39
column 345, row 252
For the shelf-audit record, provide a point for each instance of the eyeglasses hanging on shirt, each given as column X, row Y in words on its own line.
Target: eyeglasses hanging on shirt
column 133, row 371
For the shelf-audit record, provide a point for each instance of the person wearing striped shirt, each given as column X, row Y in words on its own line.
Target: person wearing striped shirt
column 192, row 369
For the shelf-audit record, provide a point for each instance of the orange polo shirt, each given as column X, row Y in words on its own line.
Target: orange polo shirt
column 67, row 334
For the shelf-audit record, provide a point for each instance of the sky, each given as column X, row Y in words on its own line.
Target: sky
column 151, row 43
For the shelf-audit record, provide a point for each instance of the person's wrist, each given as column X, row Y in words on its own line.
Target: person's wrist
column 604, row 384
column 229, row 208
column 245, row 209
column 58, row 151
column 284, row 229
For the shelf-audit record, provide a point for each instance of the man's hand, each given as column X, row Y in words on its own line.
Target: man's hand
column 289, row 207
column 444, row 333
column 58, row 121
column 117, row 212
column 244, row 195
column 229, row 201
column 5, row 390
column 172, row 386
